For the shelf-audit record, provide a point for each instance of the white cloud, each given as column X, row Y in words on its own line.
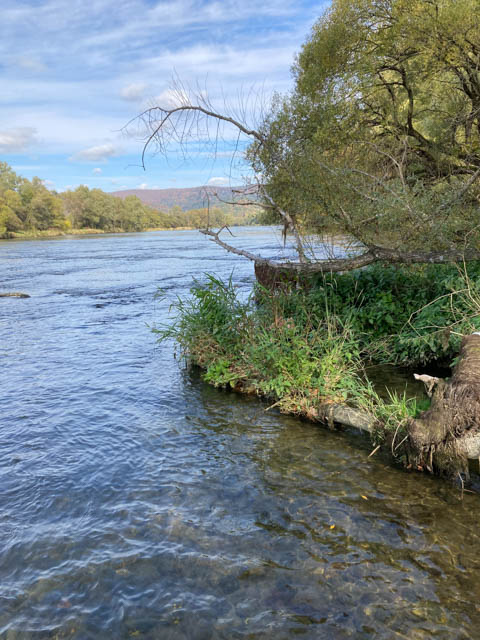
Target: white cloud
column 144, row 185
column 133, row 92
column 226, row 61
column 97, row 171
column 105, row 58
column 99, row 153
column 30, row 63
column 18, row 139
column 170, row 98
column 218, row 182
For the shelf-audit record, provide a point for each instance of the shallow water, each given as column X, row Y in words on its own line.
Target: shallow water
column 137, row 502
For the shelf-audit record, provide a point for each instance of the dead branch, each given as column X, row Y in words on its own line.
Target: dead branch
column 371, row 255
column 428, row 381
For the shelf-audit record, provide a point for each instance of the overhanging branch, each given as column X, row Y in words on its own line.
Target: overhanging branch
column 371, row 255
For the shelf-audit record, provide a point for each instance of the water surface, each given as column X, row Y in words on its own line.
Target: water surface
column 137, row 502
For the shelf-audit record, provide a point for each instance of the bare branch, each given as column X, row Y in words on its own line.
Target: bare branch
column 371, row 255
column 291, row 224
column 166, row 116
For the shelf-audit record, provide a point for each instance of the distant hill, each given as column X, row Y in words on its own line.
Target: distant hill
column 187, row 199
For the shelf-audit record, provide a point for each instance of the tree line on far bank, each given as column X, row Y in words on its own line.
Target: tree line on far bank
column 28, row 208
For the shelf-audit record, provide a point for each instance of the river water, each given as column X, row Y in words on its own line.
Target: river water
column 137, row 502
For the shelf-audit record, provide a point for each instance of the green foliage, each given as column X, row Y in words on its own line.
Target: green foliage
column 305, row 349
column 210, row 323
column 401, row 315
column 212, row 218
column 28, row 207
column 298, row 366
column 381, row 136
column 95, row 209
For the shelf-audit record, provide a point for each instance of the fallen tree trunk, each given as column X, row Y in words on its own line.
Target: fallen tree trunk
column 346, row 416
column 468, row 445
column 370, row 255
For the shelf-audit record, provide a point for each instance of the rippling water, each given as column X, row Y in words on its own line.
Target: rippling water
column 137, row 502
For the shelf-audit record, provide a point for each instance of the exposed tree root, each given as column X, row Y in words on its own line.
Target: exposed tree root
column 443, row 438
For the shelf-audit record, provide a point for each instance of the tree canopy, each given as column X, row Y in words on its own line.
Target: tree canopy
column 28, row 207
column 380, row 137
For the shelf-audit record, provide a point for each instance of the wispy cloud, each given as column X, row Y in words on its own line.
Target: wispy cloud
column 100, row 153
column 218, row 182
column 74, row 72
column 133, row 92
column 29, row 63
column 18, row 139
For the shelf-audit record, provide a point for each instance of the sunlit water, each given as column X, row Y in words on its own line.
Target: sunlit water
column 137, row 502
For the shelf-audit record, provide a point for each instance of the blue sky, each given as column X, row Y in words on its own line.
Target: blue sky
column 75, row 72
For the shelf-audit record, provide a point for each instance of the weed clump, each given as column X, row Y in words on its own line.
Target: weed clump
column 305, row 350
column 299, row 350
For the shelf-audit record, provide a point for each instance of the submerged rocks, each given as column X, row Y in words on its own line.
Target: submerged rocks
column 14, row 294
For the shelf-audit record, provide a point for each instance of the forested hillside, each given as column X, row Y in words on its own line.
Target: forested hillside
column 28, row 208
column 189, row 198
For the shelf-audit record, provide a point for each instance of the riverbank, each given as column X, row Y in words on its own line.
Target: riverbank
column 306, row 352
column 139, row 501
column 57, row 233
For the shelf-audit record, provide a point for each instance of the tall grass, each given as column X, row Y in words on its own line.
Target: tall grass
column 299, row 364
column 304, row 349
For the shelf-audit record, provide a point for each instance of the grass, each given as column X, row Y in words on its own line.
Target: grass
column 297, row 355
column 302, row 350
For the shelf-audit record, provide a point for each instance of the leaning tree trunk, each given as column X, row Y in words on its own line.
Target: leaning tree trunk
column 448, row 433
column 275, row 278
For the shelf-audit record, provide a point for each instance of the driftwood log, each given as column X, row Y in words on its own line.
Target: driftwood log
column 346, row 416
column 14, row 294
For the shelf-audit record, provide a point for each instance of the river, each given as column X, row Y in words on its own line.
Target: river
column 138, row 502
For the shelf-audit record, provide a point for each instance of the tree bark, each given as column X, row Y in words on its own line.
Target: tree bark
column 448, row 433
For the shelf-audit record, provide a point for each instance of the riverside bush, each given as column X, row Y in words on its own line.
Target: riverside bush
column 409, row 316
column 244, row 344
column 300, row 350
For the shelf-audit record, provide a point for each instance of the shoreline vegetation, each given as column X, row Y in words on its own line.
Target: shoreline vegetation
column 368, row 144
column 57, row 233
column 306, row 351
column 29, row 210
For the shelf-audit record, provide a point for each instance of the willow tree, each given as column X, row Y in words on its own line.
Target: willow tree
column 379, row 139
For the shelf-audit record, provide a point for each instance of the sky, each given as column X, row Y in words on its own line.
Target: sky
column 74, row 73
